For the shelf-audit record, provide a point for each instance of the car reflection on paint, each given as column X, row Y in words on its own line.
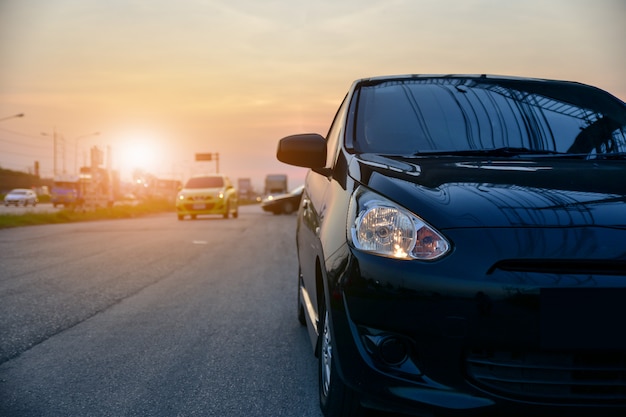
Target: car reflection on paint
column 462, row 248
column 283, row 203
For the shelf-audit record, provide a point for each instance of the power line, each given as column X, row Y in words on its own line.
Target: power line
column 28, row 135
column 30, row 145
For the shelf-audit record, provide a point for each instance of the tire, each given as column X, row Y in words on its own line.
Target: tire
column 236, row 212
column 181, row 217
column 227, row 212
column 336, row 399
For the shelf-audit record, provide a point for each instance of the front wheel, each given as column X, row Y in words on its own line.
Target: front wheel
column 336, row 399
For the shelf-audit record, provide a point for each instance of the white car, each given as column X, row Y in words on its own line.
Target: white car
column 21, row 197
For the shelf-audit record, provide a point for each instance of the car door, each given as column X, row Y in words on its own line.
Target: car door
column 313, row 213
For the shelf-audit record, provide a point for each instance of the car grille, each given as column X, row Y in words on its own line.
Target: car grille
column 551, row 377
column 207, row 206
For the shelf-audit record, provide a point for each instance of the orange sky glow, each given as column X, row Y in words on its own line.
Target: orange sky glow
column 163, row 80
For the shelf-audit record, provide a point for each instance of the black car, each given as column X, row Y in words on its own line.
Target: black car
column 462, row 248
column 283, row 203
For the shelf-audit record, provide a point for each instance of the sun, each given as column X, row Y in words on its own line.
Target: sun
column 141, row 152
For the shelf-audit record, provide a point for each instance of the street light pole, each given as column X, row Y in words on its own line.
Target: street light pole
column 11, row 117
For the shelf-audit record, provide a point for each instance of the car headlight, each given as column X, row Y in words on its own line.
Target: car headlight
column 379, row 226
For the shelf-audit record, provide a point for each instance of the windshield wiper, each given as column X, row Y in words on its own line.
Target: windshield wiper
column 611, row 155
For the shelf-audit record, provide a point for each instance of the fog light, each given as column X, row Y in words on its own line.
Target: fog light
column 393, row 351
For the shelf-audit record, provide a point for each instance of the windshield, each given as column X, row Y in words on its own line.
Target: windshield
column 447, row 115
column 205, row 182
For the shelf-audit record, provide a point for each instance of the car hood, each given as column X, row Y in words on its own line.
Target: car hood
column 201, row 191
column 451, row 192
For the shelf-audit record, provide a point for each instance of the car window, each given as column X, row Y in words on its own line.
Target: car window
column 334, row 133
column 439, row 115
column 205, row 182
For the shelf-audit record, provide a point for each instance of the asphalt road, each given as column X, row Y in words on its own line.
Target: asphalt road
column 154, row 317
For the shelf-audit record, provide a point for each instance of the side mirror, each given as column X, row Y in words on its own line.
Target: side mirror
column 306, row 150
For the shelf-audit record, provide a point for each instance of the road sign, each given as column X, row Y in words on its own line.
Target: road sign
column 204, row 157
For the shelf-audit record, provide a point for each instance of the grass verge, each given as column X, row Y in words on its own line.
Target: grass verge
column 71, row 216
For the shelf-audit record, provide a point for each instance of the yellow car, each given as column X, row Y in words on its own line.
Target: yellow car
column 207, row 194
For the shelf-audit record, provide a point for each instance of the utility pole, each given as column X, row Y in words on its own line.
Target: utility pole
column 54, row 151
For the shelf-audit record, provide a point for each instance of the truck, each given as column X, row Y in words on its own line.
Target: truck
column 244, row 186
column 275, row 184
column 98, row 187
column 65, row 190
column 93, row 187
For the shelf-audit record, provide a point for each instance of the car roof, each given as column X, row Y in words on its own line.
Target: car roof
column 381, row 78
column 478, row 77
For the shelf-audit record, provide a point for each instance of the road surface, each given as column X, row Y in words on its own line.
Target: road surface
column 154, row 317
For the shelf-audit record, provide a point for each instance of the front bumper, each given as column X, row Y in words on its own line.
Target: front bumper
column 425, row 339
column 18, row 202
column 213, row 206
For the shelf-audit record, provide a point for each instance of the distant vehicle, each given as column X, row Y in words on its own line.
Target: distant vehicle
column 98, row 187
column 42, row 190
column 461, row 248
column 283, row 203
column 275, row 184
column 21, row 197
column 128, row 199
column 244, row 185
column 65, row 190
column 207, row 194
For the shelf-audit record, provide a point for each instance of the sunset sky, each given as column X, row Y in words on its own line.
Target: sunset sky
column 163, row 80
